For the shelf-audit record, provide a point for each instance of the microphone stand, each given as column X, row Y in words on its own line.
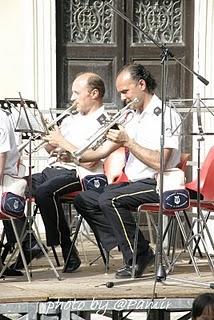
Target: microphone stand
column 165, row 54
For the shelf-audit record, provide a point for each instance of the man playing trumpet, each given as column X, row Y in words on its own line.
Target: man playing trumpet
column 61, row 178
column 109, row 212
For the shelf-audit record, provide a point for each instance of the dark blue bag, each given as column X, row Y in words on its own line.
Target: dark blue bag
column 95, row 182
column 12, row 205
column 176, row 199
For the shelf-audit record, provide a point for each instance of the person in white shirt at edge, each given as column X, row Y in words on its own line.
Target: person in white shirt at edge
column 60, row 178
column 108, row 212
column 9, row 157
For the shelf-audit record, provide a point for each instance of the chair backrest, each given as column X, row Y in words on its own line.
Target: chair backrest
column 114, row 164
column 206, row 177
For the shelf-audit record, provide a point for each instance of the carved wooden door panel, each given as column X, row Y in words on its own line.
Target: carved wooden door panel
column 168, row 22
column 91, row 37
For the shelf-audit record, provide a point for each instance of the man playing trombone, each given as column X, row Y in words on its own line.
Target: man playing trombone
column 59, row 177
column 109, row 212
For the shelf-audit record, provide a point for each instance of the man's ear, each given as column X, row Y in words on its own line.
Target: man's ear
column 142, row 84
column 95, row 93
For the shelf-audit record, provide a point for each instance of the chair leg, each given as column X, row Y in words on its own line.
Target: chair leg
column 134, row 256
column 169, row 224
column 79, row 222
column 39, row 241
column 2, row 241
column 195, row 240
column 172, row 228
column 55, row 256
column 18, row 246
column 151, row 237
column 103, row 253
column 204, row 227
column 187, row 242
column 200, row 236
column 174, row 237
column 165, row 257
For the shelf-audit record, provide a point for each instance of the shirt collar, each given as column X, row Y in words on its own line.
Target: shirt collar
column 155, row 102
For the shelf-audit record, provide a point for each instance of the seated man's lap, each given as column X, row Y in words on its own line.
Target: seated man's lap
column 130, row 195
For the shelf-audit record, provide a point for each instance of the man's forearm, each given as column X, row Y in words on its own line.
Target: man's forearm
column 150, row 157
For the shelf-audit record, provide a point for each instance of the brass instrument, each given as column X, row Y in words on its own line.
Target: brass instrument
column 66, row 112
column 100, row 136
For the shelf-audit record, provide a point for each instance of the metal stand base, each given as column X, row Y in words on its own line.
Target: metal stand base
column 19, row 240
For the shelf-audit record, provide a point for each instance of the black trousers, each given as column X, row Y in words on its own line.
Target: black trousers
column 47, row 187
column 109, row 213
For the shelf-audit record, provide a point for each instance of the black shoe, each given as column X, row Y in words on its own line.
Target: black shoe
column 34, row 253
column 143, row 261
column 74, row 261
column 9, row 272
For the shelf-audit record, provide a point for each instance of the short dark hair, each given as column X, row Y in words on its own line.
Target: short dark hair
column 96, row 82
column 138, row 72
column 202, row 302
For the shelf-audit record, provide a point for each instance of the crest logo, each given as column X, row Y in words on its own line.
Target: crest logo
column 177, row 199
column 96, row 183
column 16, row 204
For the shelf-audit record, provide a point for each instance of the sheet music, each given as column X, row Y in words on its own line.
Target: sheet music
column 31, row 120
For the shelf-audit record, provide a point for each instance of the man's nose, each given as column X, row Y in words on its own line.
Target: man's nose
column 73, row 97
column 122, row 96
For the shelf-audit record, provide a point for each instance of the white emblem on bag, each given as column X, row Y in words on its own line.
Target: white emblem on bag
column 96, row 183
column 16, row 204
column 177, row 199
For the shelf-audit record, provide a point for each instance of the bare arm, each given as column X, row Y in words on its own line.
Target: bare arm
column 89, row 158
column 102, row 152
column 150, row 157
column 115, row 139
column 55, row 138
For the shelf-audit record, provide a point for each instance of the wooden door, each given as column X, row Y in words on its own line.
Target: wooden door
column 92, row 37
column 168, row 23
column 89, row 38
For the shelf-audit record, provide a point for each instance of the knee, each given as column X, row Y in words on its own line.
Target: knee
column 80, row 204
column 104, row 201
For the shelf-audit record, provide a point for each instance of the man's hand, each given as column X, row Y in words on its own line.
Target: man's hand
column 62, row 155
column 55, row 137
column 118, row 136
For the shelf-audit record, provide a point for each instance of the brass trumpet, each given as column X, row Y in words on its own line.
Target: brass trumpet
column 68, row 111
column 100, row 136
